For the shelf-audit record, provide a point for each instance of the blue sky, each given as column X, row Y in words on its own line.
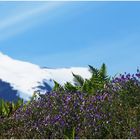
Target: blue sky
column 65, row 34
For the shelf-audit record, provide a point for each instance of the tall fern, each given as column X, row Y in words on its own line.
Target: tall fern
column 69, row 87
column 57, row 87
column 97, row 81
column 79, row 81
column 103, row 71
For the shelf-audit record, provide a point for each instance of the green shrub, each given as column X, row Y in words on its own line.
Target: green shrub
column 99, row 107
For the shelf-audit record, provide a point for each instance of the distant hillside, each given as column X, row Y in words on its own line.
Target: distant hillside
column 7, row 92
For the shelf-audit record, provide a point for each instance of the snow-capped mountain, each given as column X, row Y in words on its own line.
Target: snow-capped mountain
column 24, row 78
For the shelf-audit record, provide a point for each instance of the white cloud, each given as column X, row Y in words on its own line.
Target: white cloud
column 25, row 77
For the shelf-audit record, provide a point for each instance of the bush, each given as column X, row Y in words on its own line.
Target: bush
column 57, row 115
column 113, row 111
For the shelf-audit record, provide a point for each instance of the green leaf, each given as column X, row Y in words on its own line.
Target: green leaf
column 69, row 87
column 73, row 133
column 57, row 87
column 103, row 70
column 78, row 80
column 93, row 70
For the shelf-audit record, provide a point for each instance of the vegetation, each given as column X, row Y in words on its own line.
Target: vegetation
column 96, row 83
column 7, row 108
column 99, row 107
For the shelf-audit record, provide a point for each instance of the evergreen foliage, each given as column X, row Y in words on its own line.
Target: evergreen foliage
column 96, row 83
column 57, row 87
column 7, row 108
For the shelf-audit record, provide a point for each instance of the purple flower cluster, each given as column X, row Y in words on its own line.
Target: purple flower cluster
column 110, row 113
column 56, row 114
column 125, row 82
